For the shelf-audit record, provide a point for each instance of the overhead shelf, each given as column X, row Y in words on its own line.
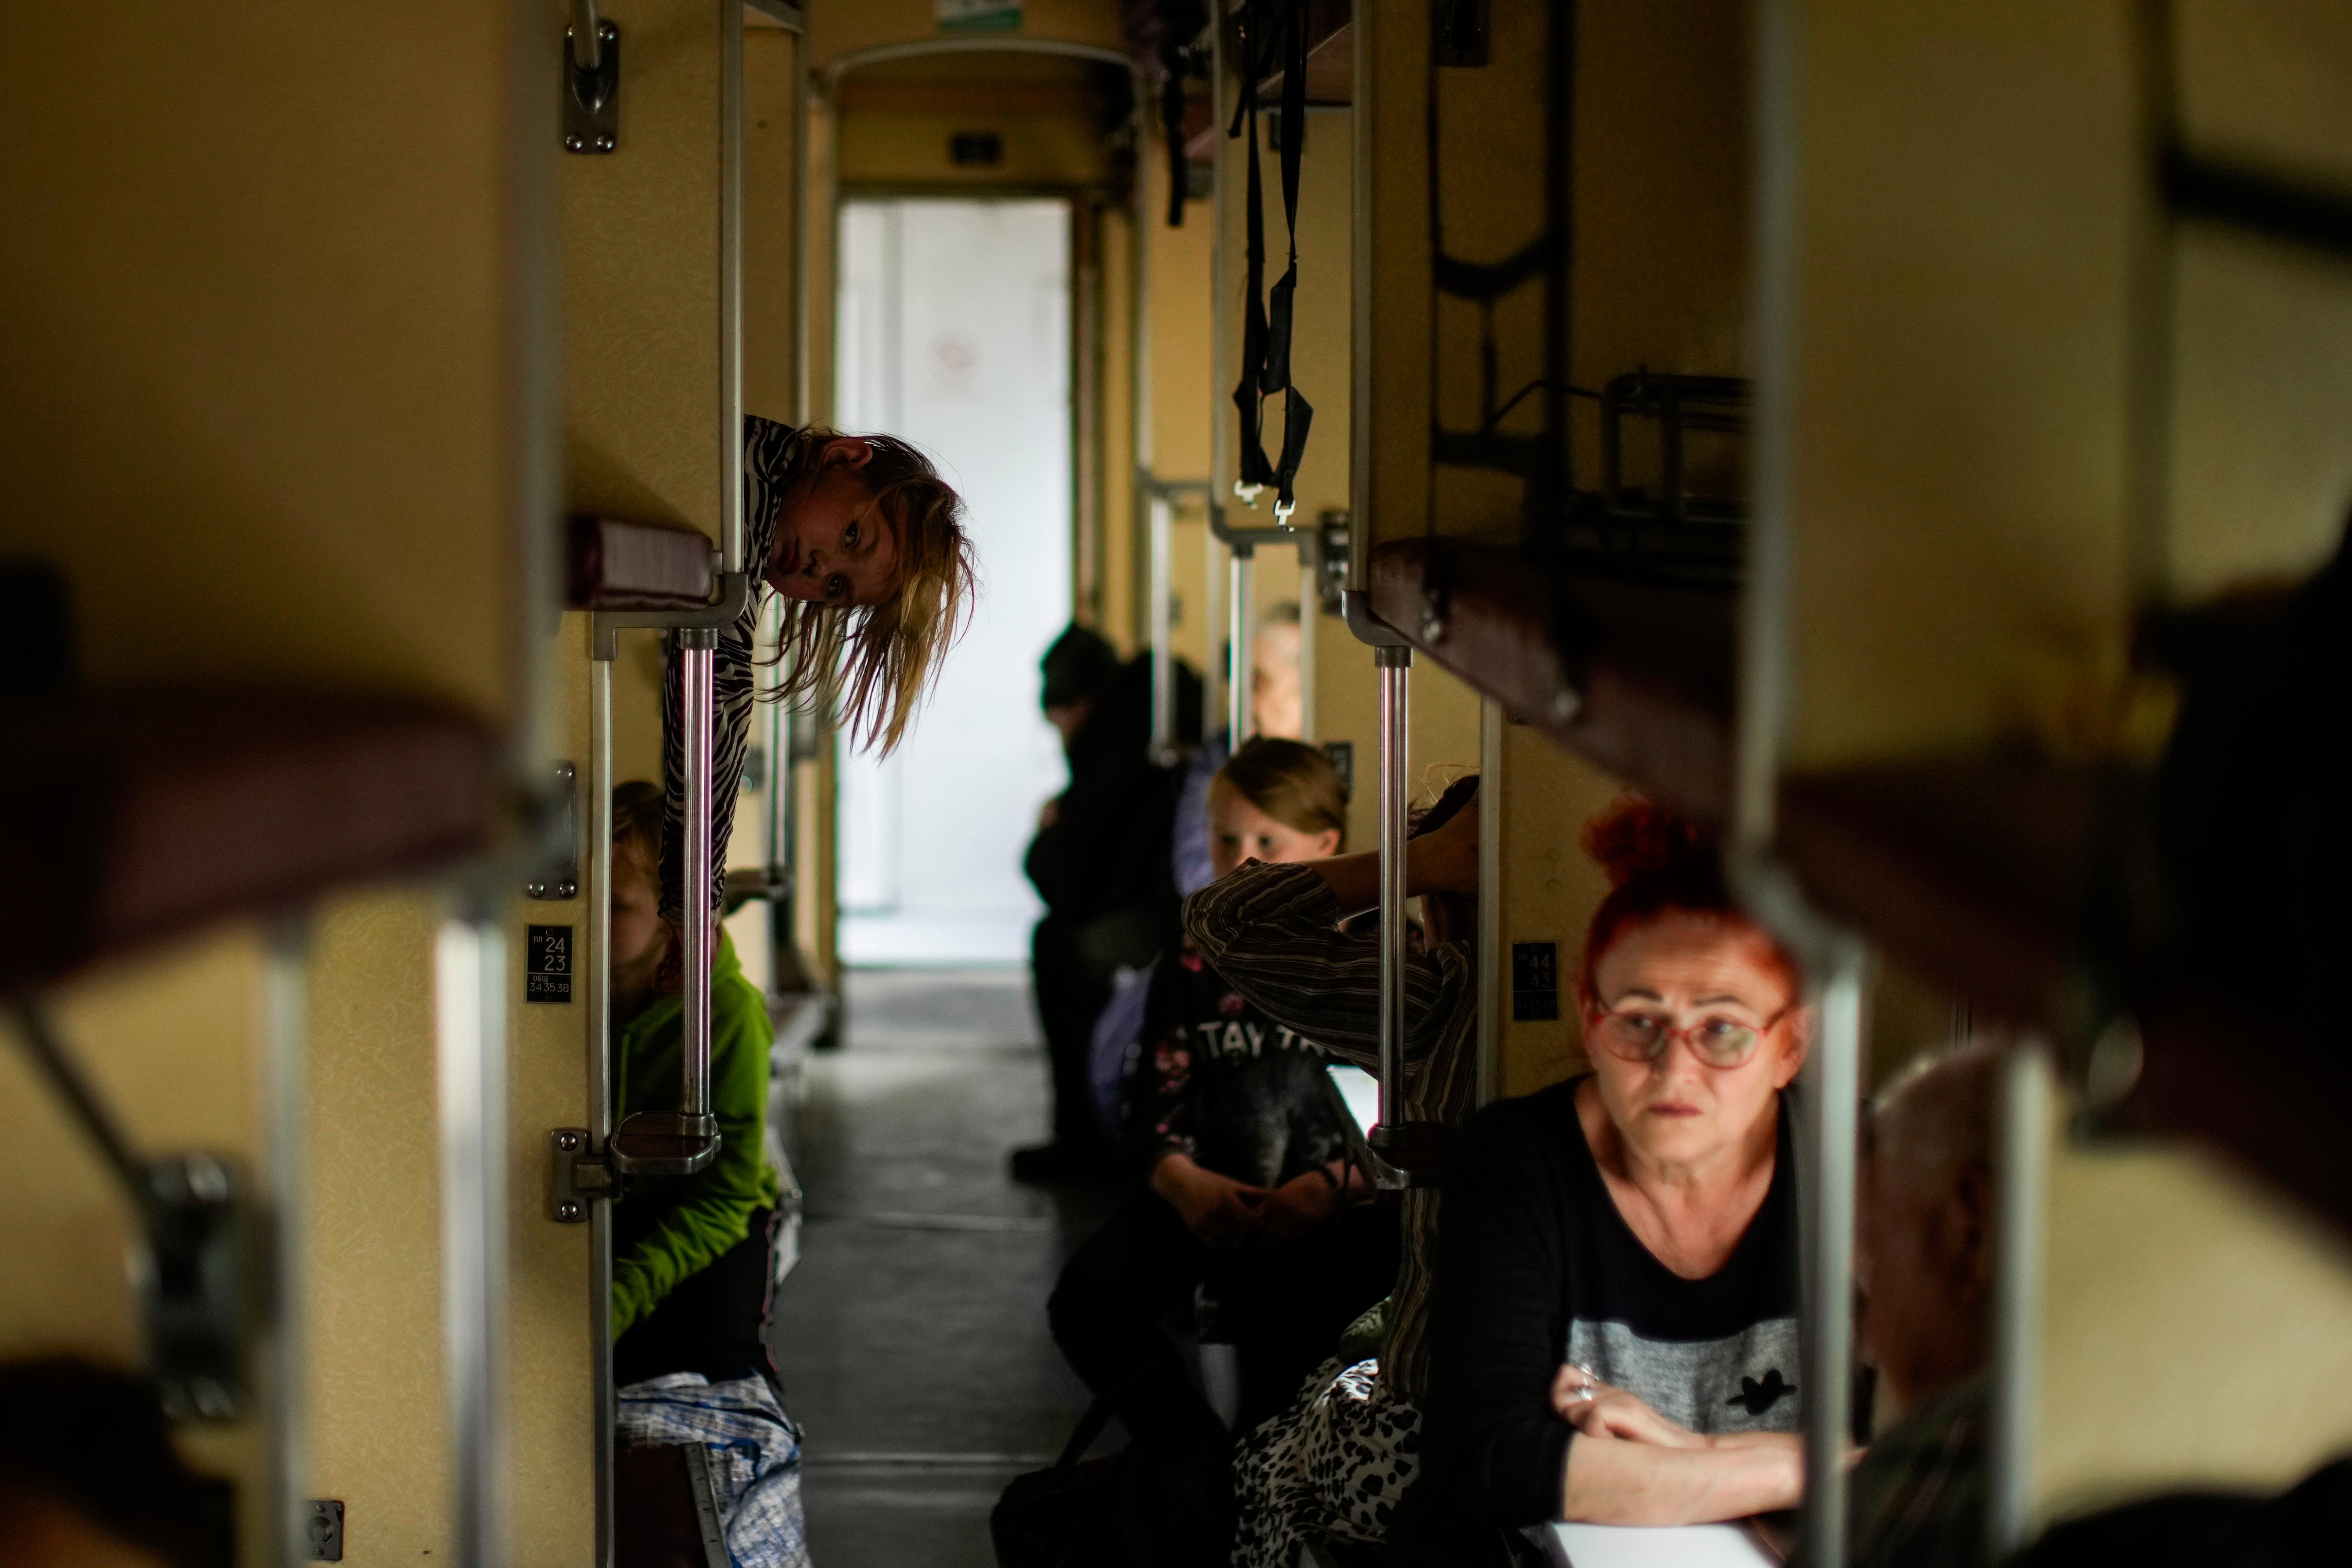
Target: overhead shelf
column 1330, row 57
column 142, row 815
column 1646, row 692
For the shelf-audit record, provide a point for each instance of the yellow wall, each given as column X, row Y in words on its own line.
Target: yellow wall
column 2159, row 1257
column 261, row 410
column 840, row 26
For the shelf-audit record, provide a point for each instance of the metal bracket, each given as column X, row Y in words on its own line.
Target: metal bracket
column 1243, row 538
column 663, row 1144
column 1356, row 609
column 590, row 89
column 322, row 1529
column 734, row 598
column 557, row 875
column 195, row 1271
column 575, row 1176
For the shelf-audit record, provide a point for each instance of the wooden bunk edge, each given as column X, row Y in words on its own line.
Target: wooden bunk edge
column 613, row 565
column 1647, row 702
column 168, row 811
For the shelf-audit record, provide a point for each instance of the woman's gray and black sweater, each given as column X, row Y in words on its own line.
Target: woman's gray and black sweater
column 1540, row 1269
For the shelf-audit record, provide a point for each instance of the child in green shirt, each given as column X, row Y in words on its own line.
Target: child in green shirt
column 691, row 1254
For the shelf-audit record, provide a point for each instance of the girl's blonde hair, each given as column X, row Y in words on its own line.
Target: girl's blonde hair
column 1291, row 781
column 876, row 660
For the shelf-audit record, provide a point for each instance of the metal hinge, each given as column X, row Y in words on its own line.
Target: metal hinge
column 575, row 1175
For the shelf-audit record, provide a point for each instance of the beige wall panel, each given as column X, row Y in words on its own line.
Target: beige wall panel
column 1390, row 324
column 1123, row 552
column 824, row 259
column 378, row 1389
column 636, row 709
column 1662, row 172
column 1443, row 743
column 887, row 151
column 550, row 1377
column 839, row 27
column 2263, row 81
column 1179, row 400
column 641, row 281
column 256, row 402
column 172, row 1043
column 1490, row 205
column 1550, row 887
column 1198, row 613
column 1958, row 459
column 2262, row 431
column 771, row 142
column 2160, row 1259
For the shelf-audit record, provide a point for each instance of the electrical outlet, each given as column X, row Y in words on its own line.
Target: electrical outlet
column 324, row 1529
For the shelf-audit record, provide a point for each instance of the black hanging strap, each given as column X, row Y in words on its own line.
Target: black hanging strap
column 1266, row 336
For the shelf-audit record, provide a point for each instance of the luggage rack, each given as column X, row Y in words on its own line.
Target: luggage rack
column 1666, row 535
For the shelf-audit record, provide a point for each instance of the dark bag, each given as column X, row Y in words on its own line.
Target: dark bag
column 1165, row 1501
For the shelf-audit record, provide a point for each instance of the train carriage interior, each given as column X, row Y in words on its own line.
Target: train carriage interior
column 906, row 782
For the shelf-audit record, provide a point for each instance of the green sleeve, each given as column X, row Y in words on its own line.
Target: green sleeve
column 711, row 1210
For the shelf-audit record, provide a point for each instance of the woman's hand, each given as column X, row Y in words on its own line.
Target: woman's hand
column 1597, row 1410
column 1295, row 1208
column 1222, row 1212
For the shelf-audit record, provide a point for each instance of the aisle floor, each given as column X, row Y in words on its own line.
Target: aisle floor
column 911, row 1336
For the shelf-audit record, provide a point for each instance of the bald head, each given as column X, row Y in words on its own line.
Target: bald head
column 1925, row 1256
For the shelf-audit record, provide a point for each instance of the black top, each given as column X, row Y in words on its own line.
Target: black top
column 1541, row 1269
column 1220, row 1081
column 1106, row 850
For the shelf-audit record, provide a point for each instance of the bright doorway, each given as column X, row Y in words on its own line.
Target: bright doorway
column 954, row 333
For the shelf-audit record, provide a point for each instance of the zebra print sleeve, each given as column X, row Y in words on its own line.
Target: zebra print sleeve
column 768, row 451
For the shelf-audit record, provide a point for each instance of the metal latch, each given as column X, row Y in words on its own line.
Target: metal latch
column 575, row 1173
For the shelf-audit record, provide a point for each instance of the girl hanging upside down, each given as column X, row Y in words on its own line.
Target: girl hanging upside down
column 865, row 544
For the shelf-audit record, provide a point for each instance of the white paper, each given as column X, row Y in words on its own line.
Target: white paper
column 1631, row 1546
column 1360, row 1090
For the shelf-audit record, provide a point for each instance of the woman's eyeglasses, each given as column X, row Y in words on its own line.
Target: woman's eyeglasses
column 1644, row 1036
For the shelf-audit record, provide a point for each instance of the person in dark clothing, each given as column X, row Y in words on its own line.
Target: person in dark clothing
column 1100, row 861
column 1248, row 1188
column 1616, row 1317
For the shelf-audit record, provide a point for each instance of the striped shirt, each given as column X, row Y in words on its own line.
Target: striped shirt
column 769, row 449
column 1274, row 933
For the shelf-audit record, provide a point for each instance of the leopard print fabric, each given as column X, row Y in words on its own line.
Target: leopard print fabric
column 1333, row 1465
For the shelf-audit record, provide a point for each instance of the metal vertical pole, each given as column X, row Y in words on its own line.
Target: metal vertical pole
column 1833, row 1085
column 2025, row 1177
column 730, row 285
column 1494, row 995
column 696, row 649
column 1214, row 700
column 600, row 1087
column 469, row 982
column 1163, row 659
column 1309, row 613
column 1395, row 666
column 285, row 1004
column 1239, row 674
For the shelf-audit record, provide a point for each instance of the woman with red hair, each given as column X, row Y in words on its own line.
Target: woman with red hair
column 1616, row 1334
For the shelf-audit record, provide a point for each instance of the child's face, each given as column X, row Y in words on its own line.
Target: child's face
column 1239, row 831
column 637, row 926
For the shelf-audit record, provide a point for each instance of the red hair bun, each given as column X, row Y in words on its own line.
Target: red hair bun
column 1637, row 838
